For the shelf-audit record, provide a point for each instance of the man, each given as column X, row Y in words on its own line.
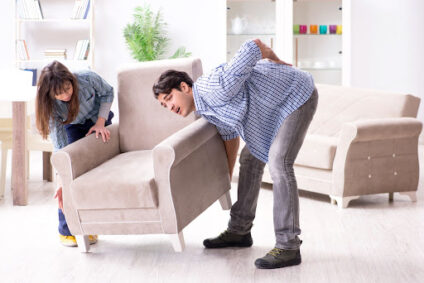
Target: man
column 269, row 104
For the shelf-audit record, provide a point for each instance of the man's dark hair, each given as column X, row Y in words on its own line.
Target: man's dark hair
column 169, row 80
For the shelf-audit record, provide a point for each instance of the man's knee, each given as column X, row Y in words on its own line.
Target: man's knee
column 281, row 168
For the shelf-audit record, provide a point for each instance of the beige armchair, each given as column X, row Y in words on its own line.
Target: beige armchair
column 157, row 173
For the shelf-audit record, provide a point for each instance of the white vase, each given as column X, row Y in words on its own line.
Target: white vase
column 238, row 25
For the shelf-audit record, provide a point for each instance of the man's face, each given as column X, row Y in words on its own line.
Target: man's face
column 178, row 101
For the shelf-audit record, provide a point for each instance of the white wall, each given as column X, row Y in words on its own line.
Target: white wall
column 199, row 25
column 387, row 39
column 387, row 46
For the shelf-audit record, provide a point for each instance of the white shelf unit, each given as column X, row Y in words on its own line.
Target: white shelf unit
column 260, row 16
column 320, row 54
column 326, row 56
column 57, row 30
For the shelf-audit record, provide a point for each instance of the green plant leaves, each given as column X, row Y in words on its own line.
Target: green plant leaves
column 146, row 36
column 180, row 53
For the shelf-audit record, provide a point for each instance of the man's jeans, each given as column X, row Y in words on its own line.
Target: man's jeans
column 282, row 155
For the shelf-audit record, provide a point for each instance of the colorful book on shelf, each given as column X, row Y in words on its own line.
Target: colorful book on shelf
column 80, row 10
column 87, row 50
column 38, row 9
column 29, row 9
column 82, row 49
column 75, row 10
column 87, row 8
column 34, row 75
column 55, row 53
column 22, row 49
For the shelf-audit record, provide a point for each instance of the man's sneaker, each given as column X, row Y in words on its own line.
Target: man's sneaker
column 228, row 239
column 68, row 241
column 277, row 258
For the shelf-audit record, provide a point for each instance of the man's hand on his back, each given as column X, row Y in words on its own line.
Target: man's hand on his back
column 268, row 53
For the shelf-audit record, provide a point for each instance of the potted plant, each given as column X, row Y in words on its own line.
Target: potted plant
column 146, row 36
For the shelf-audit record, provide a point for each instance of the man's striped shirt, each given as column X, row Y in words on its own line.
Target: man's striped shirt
column 250, row 97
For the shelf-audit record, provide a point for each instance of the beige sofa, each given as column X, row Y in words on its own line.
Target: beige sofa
column 157, row 173
column 360, row 142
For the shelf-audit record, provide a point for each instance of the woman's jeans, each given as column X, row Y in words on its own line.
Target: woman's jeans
column 74, row 133
column 282, row 155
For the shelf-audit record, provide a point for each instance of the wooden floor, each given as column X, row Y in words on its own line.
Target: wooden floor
column 374, row 240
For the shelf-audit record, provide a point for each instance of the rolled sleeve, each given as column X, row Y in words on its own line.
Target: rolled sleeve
column 104, row 109
column 234, row 74
column 102, row 88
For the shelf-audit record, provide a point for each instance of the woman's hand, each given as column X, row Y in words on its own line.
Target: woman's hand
column 99, row 128
column 58, row 195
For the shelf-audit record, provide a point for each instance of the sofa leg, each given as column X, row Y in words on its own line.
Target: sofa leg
column 178, row 242
column 342, row 202
column 412, row 195
column 83, row 243
column 225, row 201
column 391, row 196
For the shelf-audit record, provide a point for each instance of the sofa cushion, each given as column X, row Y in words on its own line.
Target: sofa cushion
column 125, row 181
column 317, row 151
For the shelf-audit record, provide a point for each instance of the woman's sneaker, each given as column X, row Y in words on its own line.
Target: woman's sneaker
column 70, row 241
column 92, row 239
column 228, row 239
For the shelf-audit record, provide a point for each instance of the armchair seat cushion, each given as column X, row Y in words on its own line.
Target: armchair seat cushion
column 318, row 151
column 125, row 181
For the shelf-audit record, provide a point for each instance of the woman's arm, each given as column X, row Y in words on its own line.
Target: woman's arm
column 105, row 92
column 58, row 134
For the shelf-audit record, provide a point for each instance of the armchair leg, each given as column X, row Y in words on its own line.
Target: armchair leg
column 178, row 242
column 390, row 196
column 342, row 202
column 412, row 195
column 225, row 201
column 83, row 243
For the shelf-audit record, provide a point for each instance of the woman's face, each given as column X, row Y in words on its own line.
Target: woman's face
column 66, row 93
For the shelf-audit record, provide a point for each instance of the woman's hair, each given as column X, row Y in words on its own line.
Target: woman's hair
column 169, row 80
column 51, row 83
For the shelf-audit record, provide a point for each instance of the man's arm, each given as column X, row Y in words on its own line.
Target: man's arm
column 268, row 53
column 231, row 147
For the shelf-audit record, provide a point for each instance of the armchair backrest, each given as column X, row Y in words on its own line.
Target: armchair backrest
column 338, row 105
column 143, row 123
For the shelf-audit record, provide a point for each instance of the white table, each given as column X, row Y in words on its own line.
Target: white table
column 15, row 87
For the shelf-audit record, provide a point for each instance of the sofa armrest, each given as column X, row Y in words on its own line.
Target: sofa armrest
column 85, row 154
column 191, row 173
column 377, row 156
column 380, row 129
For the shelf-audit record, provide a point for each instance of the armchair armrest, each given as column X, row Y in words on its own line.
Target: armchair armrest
column 184, row 142
column 191, row 173
column 85, row 154
column 377, row 156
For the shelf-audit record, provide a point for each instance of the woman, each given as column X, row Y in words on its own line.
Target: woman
column 70, row 106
